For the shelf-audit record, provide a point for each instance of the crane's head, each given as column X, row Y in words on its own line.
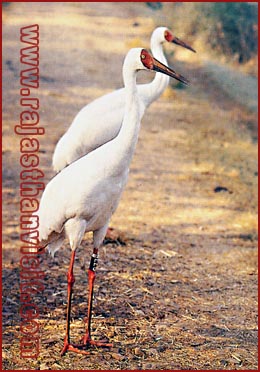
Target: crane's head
column 151, row 63
column 162, row 34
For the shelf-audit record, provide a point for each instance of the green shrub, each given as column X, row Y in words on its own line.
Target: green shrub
column 228, row 28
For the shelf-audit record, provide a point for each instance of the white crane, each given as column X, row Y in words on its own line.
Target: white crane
column 101, row 120
column 84, row 195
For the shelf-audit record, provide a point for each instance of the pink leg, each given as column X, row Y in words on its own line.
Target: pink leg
column 91, row 278
column 71, row 279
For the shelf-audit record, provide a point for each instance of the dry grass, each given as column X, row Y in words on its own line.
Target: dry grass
column 182, row 292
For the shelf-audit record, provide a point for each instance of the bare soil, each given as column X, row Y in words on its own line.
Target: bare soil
column 177, row 287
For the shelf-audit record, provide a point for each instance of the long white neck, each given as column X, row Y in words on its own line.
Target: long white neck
column 153, row 90
column 125, row 142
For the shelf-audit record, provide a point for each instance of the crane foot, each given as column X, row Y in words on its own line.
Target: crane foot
column 75, row 348
column 88, row 342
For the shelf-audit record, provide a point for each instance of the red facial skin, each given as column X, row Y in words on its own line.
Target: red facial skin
column 146, row 59
column 168, row 36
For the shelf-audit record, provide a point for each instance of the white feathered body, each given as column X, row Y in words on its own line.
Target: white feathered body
column 96, row 124
column 88, row 189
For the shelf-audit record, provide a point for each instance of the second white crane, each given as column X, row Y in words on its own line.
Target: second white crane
column 100, row 121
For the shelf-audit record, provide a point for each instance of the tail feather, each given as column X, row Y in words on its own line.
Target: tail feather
column 55, row 246
column 54, row 242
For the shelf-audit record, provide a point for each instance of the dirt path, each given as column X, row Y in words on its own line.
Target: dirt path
column 181, row 292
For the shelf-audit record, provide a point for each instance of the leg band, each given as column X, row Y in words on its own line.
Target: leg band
column 93, row 262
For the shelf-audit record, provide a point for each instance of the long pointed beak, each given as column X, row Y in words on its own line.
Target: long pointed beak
column 177, row 41
column 160, row 67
